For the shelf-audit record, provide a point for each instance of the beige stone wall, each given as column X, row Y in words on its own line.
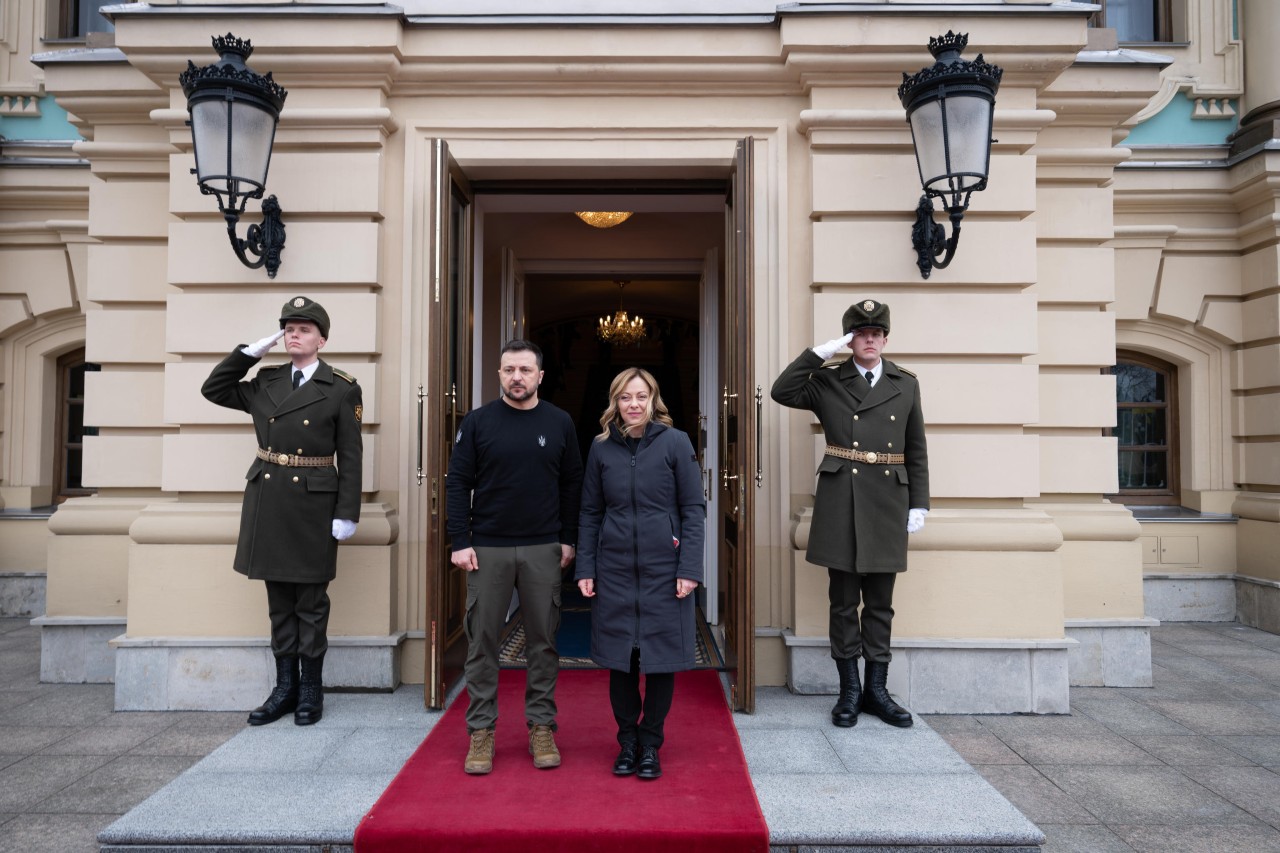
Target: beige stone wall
column 1062, row 260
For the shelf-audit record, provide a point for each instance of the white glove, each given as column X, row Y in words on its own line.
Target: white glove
column 259, row 349
column 825, row 351
column 915, row 519
column 343, row 529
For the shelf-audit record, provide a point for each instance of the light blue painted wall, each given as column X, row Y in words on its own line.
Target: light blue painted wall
column 50, row 124
column 1173, row 126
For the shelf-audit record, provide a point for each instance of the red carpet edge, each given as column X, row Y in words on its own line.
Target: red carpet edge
column 704, row 801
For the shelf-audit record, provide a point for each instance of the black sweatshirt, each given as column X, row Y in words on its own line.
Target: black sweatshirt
column 515, row 477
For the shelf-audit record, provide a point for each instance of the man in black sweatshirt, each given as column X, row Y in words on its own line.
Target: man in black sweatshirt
column 515, row 481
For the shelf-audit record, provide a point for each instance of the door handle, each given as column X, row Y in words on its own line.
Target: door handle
column 421, row 397
column 759, row 437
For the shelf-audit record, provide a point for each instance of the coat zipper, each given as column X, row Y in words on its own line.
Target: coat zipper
column 635, row 547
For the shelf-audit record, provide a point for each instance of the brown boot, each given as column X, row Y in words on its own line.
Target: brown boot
column 542, row 746
column 480, row 753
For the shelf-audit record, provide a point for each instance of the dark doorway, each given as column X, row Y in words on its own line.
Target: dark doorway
column 563, row 316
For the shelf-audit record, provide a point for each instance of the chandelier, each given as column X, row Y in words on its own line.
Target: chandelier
column 621, row 329
column 603, row 218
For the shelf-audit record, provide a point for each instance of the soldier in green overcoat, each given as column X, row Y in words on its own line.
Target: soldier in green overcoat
column 873, row 489
column 302, row 494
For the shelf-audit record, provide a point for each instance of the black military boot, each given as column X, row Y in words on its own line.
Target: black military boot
column 311, row 693
column 284, row 698
column 878, row 701
column 849, row 703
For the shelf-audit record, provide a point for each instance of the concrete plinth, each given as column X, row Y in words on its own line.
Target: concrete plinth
column 1190, row 597
column 1258, row 603
column 235, row 674
column 1110, row 652
column 22, row 593
column 77, row 649
column 952, row 676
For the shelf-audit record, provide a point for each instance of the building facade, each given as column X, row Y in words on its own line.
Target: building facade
column 1100, row 364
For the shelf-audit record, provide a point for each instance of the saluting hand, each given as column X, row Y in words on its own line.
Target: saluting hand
column 259, row 348
column 825, row 351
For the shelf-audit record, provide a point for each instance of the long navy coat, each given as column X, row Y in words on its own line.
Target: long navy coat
column 287, row 517
column 860, row 509
column 642, row 526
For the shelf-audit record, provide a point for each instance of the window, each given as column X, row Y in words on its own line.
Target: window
column 1147, row 429
column 75, row 19
column 1136, row 20
column 69, row 460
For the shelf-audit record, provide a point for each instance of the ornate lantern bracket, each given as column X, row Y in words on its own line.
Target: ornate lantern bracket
column 950, row 106
column 234, row 112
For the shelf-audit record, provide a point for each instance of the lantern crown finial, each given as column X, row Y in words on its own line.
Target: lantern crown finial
column 232, row 44
column 950, row 43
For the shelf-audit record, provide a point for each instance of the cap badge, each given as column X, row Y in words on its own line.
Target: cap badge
column 868, row 305
column 299, row 302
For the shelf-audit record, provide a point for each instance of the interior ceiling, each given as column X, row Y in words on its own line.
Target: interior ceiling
column 572, row 270
column 555, row 298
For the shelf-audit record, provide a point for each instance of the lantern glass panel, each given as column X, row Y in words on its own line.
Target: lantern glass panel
column 958, row 147
column 252, row 130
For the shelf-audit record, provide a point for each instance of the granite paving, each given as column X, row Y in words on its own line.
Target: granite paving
column 1190, row 764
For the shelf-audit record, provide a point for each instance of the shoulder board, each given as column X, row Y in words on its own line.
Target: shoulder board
column 836, row 360
column 902, row 369
column 341, row 374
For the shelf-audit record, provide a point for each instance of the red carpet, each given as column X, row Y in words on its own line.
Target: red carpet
column 703, row 802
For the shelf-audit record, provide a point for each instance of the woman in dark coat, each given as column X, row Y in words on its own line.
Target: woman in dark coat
column 640, row 543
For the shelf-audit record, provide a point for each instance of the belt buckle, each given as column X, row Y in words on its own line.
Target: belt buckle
column 871, row 457
column 282, row 459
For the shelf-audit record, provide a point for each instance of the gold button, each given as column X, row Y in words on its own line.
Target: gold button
column 295, row 479
column 887, row 472
column 893, row 417
column 271, row 421
column 855, row 470
column 299, row 451
column 890, row 444
column 855, row 417
column 855, row 444
column 266, row 476
column 306, row 423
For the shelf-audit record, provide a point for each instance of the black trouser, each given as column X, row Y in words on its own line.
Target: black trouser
column 299, row 618
column 868, row 637
column 624, row 696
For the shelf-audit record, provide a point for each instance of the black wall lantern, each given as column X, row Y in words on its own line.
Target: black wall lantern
column 949, row 107
column 234, row 111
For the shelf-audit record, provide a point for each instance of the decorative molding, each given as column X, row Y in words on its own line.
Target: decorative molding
column 1213, row 108
column 20, row 106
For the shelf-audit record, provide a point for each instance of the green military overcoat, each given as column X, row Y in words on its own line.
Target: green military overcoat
column 860, row 509
column 286, row 521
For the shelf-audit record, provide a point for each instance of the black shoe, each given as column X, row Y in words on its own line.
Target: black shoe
column 284, row 698
column 878, row 701
column 849, row 703
column 625, row 763
column 310, row 693
column 649, row 766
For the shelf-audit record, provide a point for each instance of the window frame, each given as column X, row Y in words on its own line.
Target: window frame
column 67, row 362
column 1171, row 495
column 1164, row 29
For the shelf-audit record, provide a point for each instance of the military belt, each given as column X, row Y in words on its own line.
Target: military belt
column 294, row 461
column 868, row 456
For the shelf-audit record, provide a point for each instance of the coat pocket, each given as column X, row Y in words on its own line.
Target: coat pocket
column 902, row 476
column 254, row 470
column 322, row 481
column 830, row 464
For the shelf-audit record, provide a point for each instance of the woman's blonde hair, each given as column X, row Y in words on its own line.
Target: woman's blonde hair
column 657, row 408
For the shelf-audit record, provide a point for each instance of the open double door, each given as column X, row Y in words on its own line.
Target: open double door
column 447, row 377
